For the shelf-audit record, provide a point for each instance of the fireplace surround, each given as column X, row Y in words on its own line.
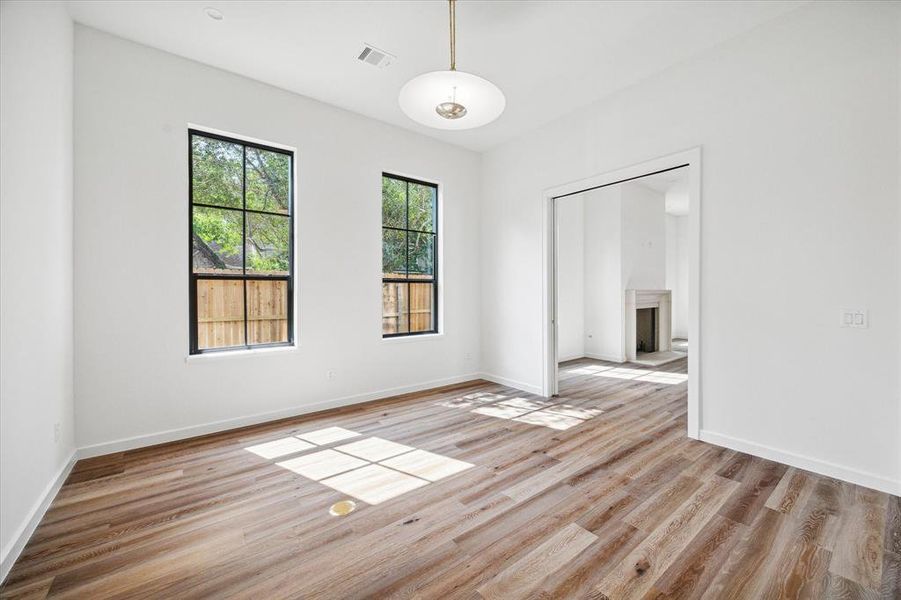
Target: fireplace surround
column 654, row 321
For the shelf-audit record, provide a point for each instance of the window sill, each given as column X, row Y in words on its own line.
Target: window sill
column 226, row 354
column 412, row 338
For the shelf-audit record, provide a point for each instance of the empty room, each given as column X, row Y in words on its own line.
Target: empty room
column 450, row 299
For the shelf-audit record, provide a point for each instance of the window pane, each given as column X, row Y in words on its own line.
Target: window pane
column 268, row 244
column 394, row 203
column 220, row 313
column 422, row 207
column 216, row 172
column 422, row 317
column 394, row 253
column 217, row 241
column 422, row 255
column 268, row 180
column 394, row 308
column 267, row 311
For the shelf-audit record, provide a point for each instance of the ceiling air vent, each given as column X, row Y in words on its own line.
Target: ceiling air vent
column 373, row 56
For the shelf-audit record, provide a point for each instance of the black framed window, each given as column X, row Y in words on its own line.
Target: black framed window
column 409, row 256
column 241, row 227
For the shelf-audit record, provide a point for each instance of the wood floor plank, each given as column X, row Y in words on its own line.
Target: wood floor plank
column 746, row 570
column 544, row 560
column 789, row 492
column 858, row 551
column 892, row 535
column 649, row 513
column 577, row 578
column 891, row 575
column 839, row 588
column 620, row 505
column 758, row 481
column 638, row 571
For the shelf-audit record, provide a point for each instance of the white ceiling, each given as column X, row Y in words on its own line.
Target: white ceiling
column 548, row 57
column 674, row 185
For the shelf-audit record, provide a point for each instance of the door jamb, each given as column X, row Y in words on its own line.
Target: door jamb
column 690, row 158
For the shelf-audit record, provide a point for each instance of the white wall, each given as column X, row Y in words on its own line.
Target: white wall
column 570, row 278
column 608, row 240
column 132, row 109
column 677, row 271
column 604, row 274
column 799, row 123
column 644, row 238
column 35, row 262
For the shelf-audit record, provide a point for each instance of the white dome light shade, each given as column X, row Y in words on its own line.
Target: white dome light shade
column 482, row 100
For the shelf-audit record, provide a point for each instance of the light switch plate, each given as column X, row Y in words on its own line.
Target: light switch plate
column 855, row 318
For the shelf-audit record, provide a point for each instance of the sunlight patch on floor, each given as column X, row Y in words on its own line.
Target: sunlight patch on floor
column 320, row 465
column 426, row 465
column 470, row 400
column 328, row 435
column 568, row 410
column 535, row 411
column 371, row 469
column 549, row 419
column 587, row 370
column 501, row 412
column 374, row 449
column 374, row 483
column 526, row 404
column 282, row 447
column 664, row 377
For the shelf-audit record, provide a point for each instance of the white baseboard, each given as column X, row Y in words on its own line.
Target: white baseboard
column 870, row 480
column 173, row 435
column 520, row 385
column 20, row 538
column 616, row 359
column 561, row 359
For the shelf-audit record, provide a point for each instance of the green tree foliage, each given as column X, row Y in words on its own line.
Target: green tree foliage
column 268, row 180
column 219, row 180
column 216, row 172
column 220, row 231
column 408, row 206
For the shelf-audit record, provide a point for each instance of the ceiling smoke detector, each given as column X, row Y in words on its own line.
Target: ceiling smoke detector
column 375, row 57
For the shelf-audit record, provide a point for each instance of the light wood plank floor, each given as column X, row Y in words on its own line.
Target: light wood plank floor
column 602, row 498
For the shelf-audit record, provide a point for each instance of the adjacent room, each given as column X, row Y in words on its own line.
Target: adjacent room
column 450, row 299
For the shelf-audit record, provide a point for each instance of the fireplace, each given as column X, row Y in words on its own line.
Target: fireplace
column 646, row 329
column 648, row 322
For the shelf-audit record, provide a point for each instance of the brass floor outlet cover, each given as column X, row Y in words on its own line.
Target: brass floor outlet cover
column 342, row 508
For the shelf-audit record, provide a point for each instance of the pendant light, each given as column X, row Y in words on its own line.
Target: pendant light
column 451, row 99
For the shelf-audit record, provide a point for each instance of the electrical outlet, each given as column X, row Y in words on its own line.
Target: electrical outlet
column 855, row 318
column 57, row 431
column 330, row 375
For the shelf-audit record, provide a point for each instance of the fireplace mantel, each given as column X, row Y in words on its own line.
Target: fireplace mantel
column 663, row 302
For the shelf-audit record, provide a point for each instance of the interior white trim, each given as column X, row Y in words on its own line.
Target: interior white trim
column 821, row 467
column 17, row 544
column 171, row 435
column 610, row 358
column 519, row 385
column 690, row 157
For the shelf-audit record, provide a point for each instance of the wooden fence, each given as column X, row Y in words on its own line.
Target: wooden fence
column 394, row 307
column 220, row 312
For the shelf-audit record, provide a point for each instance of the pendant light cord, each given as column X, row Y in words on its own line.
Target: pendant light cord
column 453, row 34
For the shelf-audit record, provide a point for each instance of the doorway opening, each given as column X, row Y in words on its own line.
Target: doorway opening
column 622, row 277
